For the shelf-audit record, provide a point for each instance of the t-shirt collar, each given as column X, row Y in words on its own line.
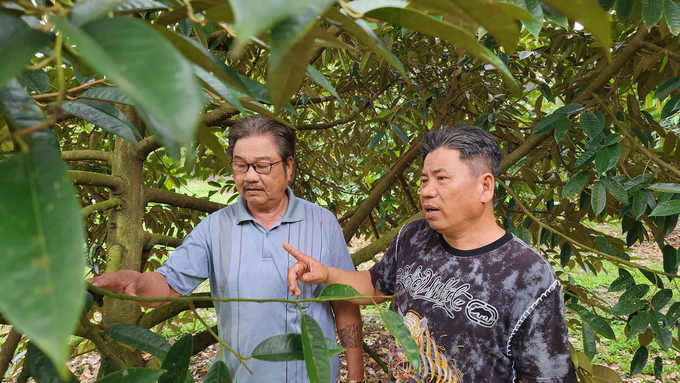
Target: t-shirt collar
column 294, row 211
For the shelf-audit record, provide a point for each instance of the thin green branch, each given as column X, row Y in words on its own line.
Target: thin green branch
column 220, row 341
column 60, row 71
column 580, row 245
column 101, row 206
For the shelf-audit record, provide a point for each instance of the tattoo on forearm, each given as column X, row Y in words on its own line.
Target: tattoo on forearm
column 350, row 336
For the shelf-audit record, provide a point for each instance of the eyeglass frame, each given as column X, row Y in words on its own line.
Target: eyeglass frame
column 248, row 165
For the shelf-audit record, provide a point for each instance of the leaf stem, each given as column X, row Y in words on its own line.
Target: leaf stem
column 60, row 71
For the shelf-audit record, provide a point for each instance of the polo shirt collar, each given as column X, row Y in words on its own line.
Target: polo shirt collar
column 294, row 211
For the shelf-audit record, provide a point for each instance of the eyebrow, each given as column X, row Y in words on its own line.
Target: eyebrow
column 435, row 171
column 261, row 158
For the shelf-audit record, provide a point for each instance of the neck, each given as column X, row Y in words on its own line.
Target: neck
column 475, row 235
column 268, row 216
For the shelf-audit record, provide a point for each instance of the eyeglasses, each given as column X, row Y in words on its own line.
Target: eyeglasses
column 259, row 167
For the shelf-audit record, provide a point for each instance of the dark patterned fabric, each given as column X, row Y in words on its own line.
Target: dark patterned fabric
column 493, row 314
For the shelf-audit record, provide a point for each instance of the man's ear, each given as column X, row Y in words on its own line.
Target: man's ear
column 289, row 168
column 487, row 184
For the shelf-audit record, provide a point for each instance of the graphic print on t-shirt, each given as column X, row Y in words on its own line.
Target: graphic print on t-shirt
column 451, row 295
column 434, row 367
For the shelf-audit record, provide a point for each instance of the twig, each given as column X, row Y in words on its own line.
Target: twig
column 628, row 136
column 72, row 90
column 7, row 350
column 100, row 343
column 653, row 47
column 100, row 206
column 33, row 128
column 220, row 341
column 375, row 357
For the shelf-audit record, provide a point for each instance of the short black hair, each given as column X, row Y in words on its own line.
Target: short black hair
column 256, row 125
column 478, row 148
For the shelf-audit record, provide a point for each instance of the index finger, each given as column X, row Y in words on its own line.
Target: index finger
column 297, row 254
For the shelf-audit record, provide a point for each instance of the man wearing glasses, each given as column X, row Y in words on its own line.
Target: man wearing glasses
column 239, row 248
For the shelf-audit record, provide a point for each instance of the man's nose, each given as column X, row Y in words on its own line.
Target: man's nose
column 427, row 190
column 251, row 174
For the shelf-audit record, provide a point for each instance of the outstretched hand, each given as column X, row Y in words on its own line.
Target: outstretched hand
column 122, row 282
column 307, row 270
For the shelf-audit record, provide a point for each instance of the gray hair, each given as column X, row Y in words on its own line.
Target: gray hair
column 256, row 125
column 478, row 149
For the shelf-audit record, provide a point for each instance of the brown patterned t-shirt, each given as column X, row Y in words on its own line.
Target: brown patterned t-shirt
column 494, row 314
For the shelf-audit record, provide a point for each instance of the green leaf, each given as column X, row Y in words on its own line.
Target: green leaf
column 591, row 125
column 364, row 33
column 665, row 187
column 565, row 254
column 290, row 30
column 628, row 307
column 336, row 290
column 219, row 86
column 598, row 199
column 589, row 344
column 148, row 69
column 314, row 348
column 607, row 158
column 670, row 260
column 177, row 361
column 664, row 337
column 321, row 80
column 395, row 325
column 624, row 8
column 667, row 87
column 652, row 10
column 18, row 44
column 658, row 367
column 596, row 323
column 640, row 199
column 137, row 6
column 218, row 373
column 623, row 282
column 139, row 338
column 663, row 297
column 666, row 208
column 639, row 323
column 43, row 370
column 376, row 139
column 42, row 238
column 35, row 80
column 400, row 133
column 288, row 347
column 85, row 11
column 137, row 375
column 672, row 13
column 670, row 107
column 562, row 126
column 285, row 79
column 587, row 13
column 547, row 124
column 569, row 109
column 653, row 277
column 103, row 115
column 534, row 27
column 638, row 182
column 635, row 292
column 606, row 4
column 545, row 90
column 107, row 94
column 615, row 189
column 418, row 21
column 639, row 360
column 577, row 182
column 20, row 110
column 585, row 158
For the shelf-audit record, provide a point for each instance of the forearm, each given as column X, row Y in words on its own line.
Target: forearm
column 350, row 332
column 360, row 280
column 154, row 285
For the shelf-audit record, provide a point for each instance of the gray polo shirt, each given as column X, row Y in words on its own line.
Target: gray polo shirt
column 243, row 260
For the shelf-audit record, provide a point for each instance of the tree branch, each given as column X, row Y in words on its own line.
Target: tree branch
column 377, row 246
column 153, row 239
column 181, row 200
column 87, row 155
column 96, row 179
column 146, row 146
column 8, row 349
column 71, row 91
column 99, row 342
column 653, row 47
column 163, row 313
column 99, row 207
column 203, row 340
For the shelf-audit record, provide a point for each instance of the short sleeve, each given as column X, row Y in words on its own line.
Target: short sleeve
column 383, row 273
column 540, row 348
column 339, row 254
column 189, row 264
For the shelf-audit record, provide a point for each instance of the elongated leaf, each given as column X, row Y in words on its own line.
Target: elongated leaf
column 587, row 13
column 623, row 282
column 147, row 68
column 666, row 87
column 289, row 31
column 285, row 80
column 137, row 6
column 363, row 32
column 395, row 325
column 421, row 22
column 665, row 187
column 534, row 27
column 107, row 94
column 640, row 322
column 638, row 182
column 652, row 10
column 42, row 239
column 336, row 290
column 670, row 262
column 86, row 11
column 640, row 199
column 584, row 159
column 663, row 297
column 664, row 337
column 671, row 107
column 103, row 115
column 615, row 189
column 591, row 125
column 321, row 80
column 589, row 344
column 315, row 351
column 177, row 361
column 288, row 347
column 140, row 338
column 548, row 123
column 628, row 307
column 254, row 16
column 607, row 158
column 598, row 199
column 606, row 374
column 137, row 375
column 220, row 87
column 208, row 138
column 569, row 109
column 562, row 126
column 624, row 8
column 43, row 370
column 666, row 208
column 575, row 184
column 18, row 107
column 18, row 44
column 672, row 13
column 35, row 80
column 565, row 254
column 218, row 373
